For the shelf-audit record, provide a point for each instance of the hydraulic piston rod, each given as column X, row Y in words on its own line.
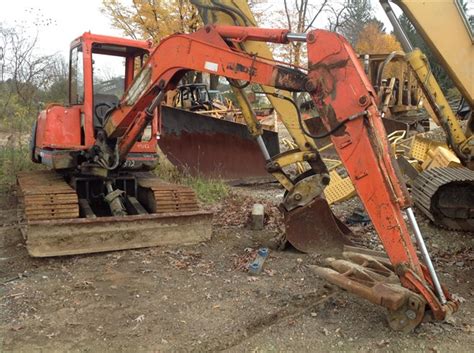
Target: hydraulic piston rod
column 426, row 255
column 263, row 148
column 296, row 37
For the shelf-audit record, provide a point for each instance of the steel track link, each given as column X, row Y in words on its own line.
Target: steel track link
column 446, row 197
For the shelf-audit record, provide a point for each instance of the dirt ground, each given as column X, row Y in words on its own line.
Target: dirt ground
column 199, row 298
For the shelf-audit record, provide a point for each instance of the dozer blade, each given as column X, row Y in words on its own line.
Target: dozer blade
column 372, row 278
column 166, row 214
column 203, row 145
column 90, row 235
column 314, row 228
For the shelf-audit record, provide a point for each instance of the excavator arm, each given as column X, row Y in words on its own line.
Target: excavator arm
column 347, row 105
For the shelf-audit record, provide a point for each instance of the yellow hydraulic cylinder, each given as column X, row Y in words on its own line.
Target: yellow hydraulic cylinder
column 446, row 117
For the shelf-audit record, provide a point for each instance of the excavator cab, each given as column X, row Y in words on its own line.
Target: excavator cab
column 101, row 69
column 113, row 68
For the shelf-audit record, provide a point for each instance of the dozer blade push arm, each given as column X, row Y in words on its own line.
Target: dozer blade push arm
column 346, row 102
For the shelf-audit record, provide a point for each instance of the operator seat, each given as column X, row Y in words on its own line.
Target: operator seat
column 100, row 109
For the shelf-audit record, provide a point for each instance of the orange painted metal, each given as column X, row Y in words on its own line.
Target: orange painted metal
column 59, row 127
column 204, row 51
column 339, row 88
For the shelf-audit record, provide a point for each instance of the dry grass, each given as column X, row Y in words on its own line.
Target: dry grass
column 13, row 159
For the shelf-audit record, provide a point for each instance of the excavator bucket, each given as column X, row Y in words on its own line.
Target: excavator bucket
column 204, row 145
column 58, row 220
column 315, row 229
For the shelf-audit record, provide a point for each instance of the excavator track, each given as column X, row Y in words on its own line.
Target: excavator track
column 446, row 197
column 54, row 222
column 165, row 197
column 45, row 195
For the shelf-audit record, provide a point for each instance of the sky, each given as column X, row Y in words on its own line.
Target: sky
column 69, row 19
column 58, row 22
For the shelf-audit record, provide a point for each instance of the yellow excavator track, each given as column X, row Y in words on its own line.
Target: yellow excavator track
column 56, row 222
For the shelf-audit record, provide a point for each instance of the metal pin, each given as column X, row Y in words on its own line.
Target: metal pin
column 426, row 255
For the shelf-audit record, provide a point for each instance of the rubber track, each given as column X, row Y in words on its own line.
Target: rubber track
column 428, row 183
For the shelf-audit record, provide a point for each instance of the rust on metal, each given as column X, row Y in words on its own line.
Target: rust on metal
column 289, row 79
column 45, row 195
column 89, row 235
column 314, row 228
column 206, row 146
column 237, row 67
column 373, row 278
column 446, row 196
column 166, row 197
column 53, row 226
column 322, row 74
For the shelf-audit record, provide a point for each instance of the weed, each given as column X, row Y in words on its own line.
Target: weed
column 208, row 190
column 13, row 159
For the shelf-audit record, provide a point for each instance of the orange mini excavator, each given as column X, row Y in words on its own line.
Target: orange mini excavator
column 98, row 196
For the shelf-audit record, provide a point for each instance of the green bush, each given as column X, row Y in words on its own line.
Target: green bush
column 208, row 190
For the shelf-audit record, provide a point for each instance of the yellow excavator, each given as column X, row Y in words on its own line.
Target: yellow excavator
column 435, row 188
column 445, row 195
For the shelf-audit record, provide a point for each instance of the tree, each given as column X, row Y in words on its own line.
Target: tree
column 374, row 40
column 300, row 16
column 155, row 19
column 25, row 76
column 351, row 21
column 57, row 89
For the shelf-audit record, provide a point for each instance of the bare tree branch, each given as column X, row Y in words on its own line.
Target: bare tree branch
column 321, row 8
column 287, row 12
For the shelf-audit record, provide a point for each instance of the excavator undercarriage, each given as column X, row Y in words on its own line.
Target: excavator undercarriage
column 66, row 215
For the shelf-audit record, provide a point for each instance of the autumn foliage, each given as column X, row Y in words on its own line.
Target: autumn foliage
column 152, row 19
column 372, row 40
